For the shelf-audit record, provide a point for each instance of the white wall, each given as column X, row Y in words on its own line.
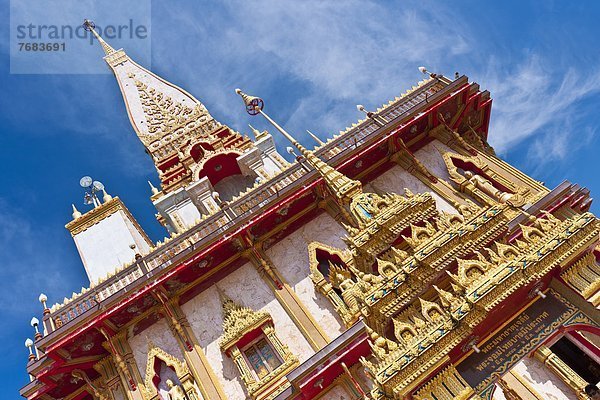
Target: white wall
column 396, row 179
column 543, row 380
column 290, row 257
column 160, row 334
column 205, row 315
column 104, row 246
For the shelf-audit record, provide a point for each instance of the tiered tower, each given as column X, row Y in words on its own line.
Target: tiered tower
column 400, row 259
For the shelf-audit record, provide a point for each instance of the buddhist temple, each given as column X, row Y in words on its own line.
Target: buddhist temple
column 400, row 258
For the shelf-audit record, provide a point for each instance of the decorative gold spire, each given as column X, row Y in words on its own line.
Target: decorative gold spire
column 340, row 185
column 315, row 137
column 89, row 26
column 228, row 305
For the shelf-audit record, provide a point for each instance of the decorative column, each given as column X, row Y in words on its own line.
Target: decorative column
column 563, row 371
column 195, row 358
column 584, row 277
column 288, row 299
column 124, row 361
column 107, row 369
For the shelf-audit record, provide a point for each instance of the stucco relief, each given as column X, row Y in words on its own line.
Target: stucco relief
column 118, row 394
column 290, row 256
column 396, row 179
column 431, row 157
column 161, row 336
column 245, row 287
column 131, row 95
column 543, row 380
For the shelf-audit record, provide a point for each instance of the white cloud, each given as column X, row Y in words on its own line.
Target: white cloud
column 33, row 261
column 338, row 54
column 533, row 99
column 332, row 57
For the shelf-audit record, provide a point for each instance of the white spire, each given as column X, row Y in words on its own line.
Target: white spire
column 152, row 188
column 76, row 214
column 90, row 27
column 107, row 197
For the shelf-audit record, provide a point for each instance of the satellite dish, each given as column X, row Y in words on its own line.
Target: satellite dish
column 98, row 185
column 85, row 182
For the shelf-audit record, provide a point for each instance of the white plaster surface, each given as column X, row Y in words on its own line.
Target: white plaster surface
column 271, row 167
column 338, row 392
column 543, row 380
column 104, row 247
column 118, row 394
column 161, row 336
column 178, row 205
column 188, row 213
column 247, row 288
column 498, row 393
column 290, row 256
column 431, row 157
column 396, row 179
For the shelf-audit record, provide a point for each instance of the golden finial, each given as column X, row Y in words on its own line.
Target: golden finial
column 90, row 26
column 340, row 185
column 227, row 304
column 315, row 137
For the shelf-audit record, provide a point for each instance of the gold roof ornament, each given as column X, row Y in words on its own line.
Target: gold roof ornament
column 90, row 26
column 238, row 321
column 257, row 134
column 340, row 185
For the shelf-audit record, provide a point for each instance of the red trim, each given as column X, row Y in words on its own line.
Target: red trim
column 579, row 338
column 347, row 166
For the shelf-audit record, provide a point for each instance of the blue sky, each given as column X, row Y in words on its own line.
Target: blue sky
column 311, row 62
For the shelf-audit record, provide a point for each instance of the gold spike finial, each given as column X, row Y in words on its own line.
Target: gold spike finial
column 227, row 304
column 340, row 185
column 90, row 26
column 315, row 137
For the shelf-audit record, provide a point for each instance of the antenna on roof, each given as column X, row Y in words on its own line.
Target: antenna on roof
column 91, row 188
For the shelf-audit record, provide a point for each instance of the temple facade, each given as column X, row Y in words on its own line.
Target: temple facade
column 398, row 259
